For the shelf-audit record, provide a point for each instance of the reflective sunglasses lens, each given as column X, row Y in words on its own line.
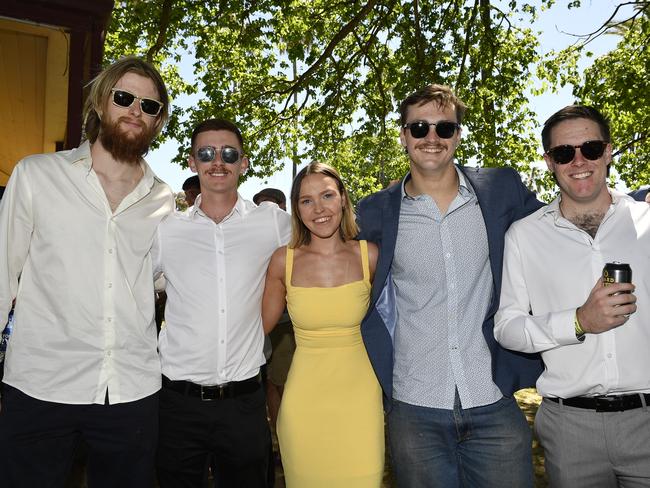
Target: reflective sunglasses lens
column 419, row 129
column 562, row 154
column 445, row 130
column 150, row 106
column 122, row 98
column 206, row 154
column 592, row 150
column 229, row 155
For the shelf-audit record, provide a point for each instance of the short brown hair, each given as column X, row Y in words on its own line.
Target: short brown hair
column 348, row 229
column 440, row 94
column 217, row 124
column 575, row 112
column 104, row 82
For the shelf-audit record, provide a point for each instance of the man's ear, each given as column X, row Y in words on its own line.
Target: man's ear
column 549, row 163
column 191, row 163
column 245, row 163
column 402, row 139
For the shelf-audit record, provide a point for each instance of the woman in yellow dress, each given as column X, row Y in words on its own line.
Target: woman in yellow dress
column 331, row 425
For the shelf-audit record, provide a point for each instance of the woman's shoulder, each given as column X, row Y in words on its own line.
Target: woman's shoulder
column 278, row 258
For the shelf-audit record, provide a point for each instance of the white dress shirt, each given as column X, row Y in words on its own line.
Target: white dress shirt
column 215, row 279
column 549, row 269
column 81, row 275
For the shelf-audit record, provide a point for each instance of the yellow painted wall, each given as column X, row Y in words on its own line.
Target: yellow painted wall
column 33, row 91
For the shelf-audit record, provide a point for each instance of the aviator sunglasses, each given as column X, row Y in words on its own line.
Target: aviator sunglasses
column 566, row 153
column 207, row 154
column 420, row 128
column 149, row 106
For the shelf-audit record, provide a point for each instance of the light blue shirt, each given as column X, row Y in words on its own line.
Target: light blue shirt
column 443, row 282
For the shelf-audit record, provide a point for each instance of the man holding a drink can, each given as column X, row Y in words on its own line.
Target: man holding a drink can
column 567, row 292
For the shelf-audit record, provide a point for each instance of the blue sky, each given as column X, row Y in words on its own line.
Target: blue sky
column 554, row 25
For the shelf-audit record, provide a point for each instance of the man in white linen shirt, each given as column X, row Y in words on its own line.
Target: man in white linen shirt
column 594, row 421
column 214, row 259
column 77, row 228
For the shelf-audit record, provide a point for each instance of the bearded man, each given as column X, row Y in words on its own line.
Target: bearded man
column 77, row 227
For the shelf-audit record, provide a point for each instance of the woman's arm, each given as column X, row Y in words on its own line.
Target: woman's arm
column 275, row 291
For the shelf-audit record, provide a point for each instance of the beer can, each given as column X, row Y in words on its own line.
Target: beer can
column 617, row 273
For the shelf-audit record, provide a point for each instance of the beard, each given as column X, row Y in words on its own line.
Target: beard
column 125, row 147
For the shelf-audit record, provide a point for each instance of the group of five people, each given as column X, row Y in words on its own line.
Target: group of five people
column 430, row 303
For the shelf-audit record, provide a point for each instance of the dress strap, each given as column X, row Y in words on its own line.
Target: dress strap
column 288, row 267
column 363, row 245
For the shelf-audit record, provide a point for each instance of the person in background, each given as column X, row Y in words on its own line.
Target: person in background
column 271, row 195
column 641, row 195
column 330, row 425
column 448, row 386
column 214, row 259
column 282, row 340
column 192, row 189
column 594, row 338
column 77, row 227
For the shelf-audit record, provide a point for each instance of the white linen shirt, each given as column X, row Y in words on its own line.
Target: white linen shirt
column 81, row 275
column 215, row 275
column 549, row 268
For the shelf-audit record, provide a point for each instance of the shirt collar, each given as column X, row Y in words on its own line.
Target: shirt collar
column 239, row 209
column 464, row 188
column 553, row 208
column 81, row 155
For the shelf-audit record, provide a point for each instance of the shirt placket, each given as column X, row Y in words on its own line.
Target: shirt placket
column 222, row 300
column 107, row 376
column 455, row 359
column 608, row 339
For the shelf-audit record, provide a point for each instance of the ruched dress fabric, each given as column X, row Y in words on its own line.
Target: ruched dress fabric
column 331, row 423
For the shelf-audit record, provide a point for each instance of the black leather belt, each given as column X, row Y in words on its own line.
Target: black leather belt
column 216, row 392
column 606, row 403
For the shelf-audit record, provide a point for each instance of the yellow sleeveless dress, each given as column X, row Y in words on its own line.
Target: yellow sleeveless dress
column 331, row 425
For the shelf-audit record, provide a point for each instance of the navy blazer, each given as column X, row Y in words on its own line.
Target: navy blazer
column 639, row 194
column 503, row 198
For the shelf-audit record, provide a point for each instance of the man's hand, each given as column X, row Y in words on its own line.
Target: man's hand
column 607, row 307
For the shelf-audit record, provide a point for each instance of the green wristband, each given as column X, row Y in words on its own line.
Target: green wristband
column 580, row 333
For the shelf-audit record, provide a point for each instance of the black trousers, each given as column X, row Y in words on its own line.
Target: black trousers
column 38, row 439
column 231, row 435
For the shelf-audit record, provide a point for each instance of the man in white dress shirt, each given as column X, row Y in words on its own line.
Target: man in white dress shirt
column 214, row 259
column 77, row 228
column 594, row 421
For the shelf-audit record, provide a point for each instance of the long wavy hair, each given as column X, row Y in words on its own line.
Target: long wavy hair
column 104, row 82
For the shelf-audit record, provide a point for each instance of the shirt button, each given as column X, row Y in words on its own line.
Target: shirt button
column 448, row 255
column 609, row 355
column 109, row 319
column 110, row 251
column 222, row 341
column 110, row 285
column 108, row 353
column 222, row 311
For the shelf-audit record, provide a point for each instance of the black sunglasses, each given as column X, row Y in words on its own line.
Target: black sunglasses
column 149, row 106
column 566, row 153
column 444, row 129
column 207, row 154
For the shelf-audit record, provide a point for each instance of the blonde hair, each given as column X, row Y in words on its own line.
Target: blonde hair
column 300, row 236
column 104, row 82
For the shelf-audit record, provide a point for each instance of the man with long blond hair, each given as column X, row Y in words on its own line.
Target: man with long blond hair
column 77, row 227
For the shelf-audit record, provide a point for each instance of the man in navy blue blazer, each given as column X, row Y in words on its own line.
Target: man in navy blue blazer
column 447, row 384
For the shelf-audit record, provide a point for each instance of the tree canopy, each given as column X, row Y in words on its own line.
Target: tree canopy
column 321, row 79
